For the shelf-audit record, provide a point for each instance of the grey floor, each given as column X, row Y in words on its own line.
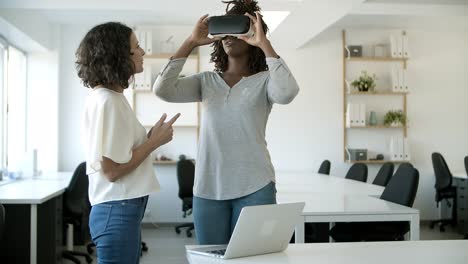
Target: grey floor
column 165, row 246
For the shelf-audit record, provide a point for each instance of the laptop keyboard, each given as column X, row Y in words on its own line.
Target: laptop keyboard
column 218, row 252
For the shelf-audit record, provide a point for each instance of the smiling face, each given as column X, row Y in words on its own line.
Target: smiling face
column 235, row 47
column 136, row 53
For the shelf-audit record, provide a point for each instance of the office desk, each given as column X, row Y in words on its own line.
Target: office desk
column 320, row 183
column 331, row 199
column 337, row 207
column 34, row 192
column 460, row 180
column 404, row 252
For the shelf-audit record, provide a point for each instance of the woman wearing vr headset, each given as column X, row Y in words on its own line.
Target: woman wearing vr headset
column 233, row 168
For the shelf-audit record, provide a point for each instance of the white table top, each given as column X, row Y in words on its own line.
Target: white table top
column 411, row 252
column 460, row 174
column 320, row 183
column 35, row 190
column 343, row 204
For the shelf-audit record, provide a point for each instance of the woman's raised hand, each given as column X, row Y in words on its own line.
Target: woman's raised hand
column 199, row 36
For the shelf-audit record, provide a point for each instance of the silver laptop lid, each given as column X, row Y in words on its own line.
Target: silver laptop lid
column 264, row 229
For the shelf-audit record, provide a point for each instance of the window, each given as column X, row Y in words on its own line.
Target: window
column 13, row 105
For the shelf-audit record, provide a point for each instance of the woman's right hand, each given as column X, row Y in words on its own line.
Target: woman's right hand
column 199, row 36
column 161, row 133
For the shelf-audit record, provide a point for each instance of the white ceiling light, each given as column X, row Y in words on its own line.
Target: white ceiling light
column 274, row 18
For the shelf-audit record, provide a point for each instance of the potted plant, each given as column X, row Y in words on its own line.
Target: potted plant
column 365, row 82
column 395, row 118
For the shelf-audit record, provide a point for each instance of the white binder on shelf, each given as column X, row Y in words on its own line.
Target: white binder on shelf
column 147, row 76
column 401, row 155
column 149, row 42
column 399, row 41
column 405, row 81
column 393, row 150
column 407, row 151
column 395, row 79
column 352, row 115
column 401, row 80
column 393, row 46
column 406, row 49
column 362, row 115
column 348, row 115
column 142, row 40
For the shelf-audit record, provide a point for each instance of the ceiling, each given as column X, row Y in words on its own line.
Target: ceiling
column 306, row 19
column 158, row 12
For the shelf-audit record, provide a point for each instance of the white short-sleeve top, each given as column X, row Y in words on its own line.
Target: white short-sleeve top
column 111, row 129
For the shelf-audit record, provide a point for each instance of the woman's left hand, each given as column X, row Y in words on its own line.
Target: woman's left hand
column 258, row 39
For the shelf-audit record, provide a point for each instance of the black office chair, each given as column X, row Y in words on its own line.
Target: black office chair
column 2, row 220
column 384, row 175
column 76, row 209
column 325, row 167
column 404, row 165
column 357, row 172
column 466, row 164
column 401, row 189
column 444, row 190
column 185, row 178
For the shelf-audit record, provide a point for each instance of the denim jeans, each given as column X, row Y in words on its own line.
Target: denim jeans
column 116, row 230
column 215, row 219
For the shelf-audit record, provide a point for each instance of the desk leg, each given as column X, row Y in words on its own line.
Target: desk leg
column 33, row 245
column 299, row 231
column 414, row 227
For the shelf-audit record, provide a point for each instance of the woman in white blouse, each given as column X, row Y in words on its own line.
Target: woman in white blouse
column 117, row 147
column 234, row 168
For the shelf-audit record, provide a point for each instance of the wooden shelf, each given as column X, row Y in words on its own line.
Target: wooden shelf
column 378, row 93
column 165, row 162
column 378, row 127
column 377, row 59
column 377, row 161
column 348, row 92
column 174, row 125
column 142, row 91
column 166, row 56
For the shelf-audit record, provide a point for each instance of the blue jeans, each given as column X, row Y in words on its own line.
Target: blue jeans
column 215, row 219
column 116, row 230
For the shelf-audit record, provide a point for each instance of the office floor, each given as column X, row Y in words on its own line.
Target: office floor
column 165, row 246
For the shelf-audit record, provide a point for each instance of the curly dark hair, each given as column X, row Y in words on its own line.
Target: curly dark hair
column 104, row 57
column 257, row 61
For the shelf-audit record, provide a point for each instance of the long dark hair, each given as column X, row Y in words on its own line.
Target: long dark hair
column 104, row 58
column 257, row 61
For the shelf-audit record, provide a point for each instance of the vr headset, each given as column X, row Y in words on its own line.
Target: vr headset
column 230, row 25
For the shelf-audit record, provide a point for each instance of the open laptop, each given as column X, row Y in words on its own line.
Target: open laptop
column 259, row 230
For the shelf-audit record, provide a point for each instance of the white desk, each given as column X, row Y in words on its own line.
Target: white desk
column 331, row 199
column 320, row 183
column 405, row 252
column 336, row 207
column 34, row 191
column 460, row 175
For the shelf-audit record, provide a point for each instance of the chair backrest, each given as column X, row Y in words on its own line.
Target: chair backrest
column 402, row 187
column 441, row 171
column 325, row 167
column 404, row 165
column 2, row 220
column 384, row 175
column 466, row 164
column 75, row 198
column 357, row 172
column 185, row 178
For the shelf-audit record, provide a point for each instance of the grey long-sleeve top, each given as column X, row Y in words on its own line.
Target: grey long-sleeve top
column 232, row 159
